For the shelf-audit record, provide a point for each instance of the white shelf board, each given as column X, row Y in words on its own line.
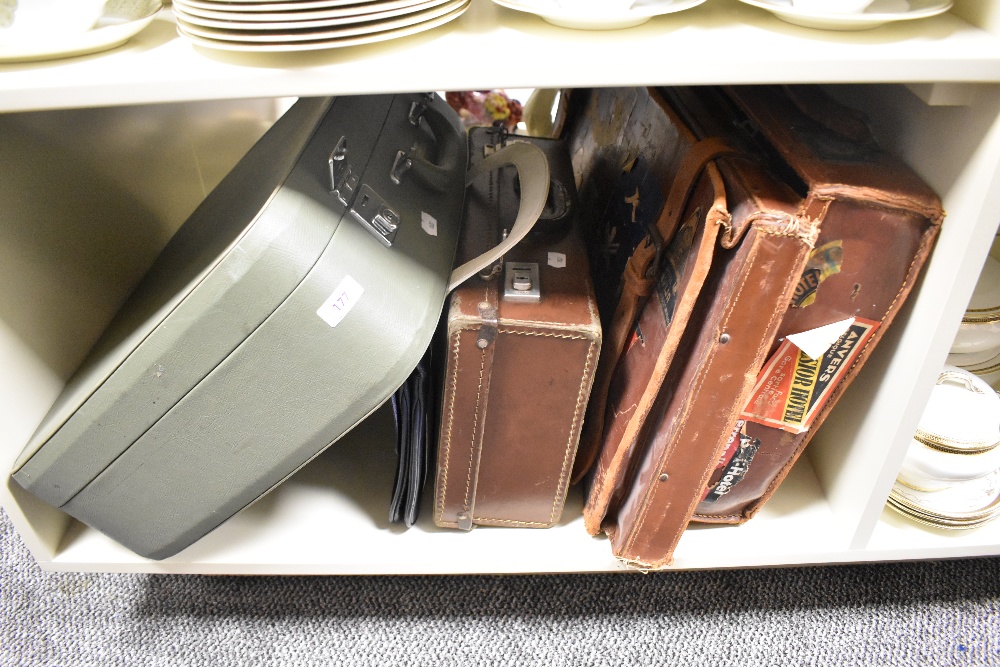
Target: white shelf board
column 897, row 536
column 721, row 41
column 331, row 518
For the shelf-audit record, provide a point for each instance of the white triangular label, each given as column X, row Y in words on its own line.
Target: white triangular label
column 817, row 341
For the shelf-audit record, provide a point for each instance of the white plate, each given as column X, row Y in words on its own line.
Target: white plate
column 250, row 6
column 878, row 13
column 193, row 10
column 389, row 10
column 563, row 13
column 323, row 43
column 107, row 33
column 968, row 501
column 285, row 36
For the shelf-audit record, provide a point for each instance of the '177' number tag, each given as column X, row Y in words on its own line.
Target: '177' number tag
column 335, row 308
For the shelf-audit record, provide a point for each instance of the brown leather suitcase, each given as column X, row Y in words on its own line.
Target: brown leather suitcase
column 646, row 487
column 753, row 239
column 628, row 147
column 657, row 205
column 879, row 224
column 522, row 345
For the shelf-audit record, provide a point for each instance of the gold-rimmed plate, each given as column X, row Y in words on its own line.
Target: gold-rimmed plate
column 340, row 16
column 333, row 39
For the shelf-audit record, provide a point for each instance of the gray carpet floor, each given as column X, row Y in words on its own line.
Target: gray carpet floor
column 927, row 613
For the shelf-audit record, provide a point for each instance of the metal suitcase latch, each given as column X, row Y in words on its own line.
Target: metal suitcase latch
column 371, row 211
column 521, row 282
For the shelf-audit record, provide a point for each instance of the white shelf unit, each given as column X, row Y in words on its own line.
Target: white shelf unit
column 114, row 150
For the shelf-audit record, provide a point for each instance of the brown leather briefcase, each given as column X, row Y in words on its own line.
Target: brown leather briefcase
column 791, row 235
column 522, row 345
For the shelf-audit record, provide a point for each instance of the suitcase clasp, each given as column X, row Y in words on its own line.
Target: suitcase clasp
column 521, row 282
column 371, row 211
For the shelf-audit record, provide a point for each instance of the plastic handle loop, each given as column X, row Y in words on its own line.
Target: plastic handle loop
column 533, row 171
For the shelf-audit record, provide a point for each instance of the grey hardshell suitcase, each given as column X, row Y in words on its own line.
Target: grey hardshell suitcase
column 292, row 304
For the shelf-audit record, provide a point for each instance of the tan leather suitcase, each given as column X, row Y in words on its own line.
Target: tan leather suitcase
column 646, row 487
column 735, row 227
column 522, row 346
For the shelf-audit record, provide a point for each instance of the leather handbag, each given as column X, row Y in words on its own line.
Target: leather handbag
column 292, row 303
column 522, row 343
column 785, row 223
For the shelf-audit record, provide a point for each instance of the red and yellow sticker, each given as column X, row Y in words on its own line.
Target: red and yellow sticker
column 792, row 388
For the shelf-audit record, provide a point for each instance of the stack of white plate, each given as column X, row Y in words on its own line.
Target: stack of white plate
column 950, row 477
column 962, row 505
column 303, row 25
column 976, row 347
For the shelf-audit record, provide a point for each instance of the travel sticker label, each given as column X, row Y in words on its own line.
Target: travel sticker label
column 824, row 261
column 817, row 341
column 675, row 264
column 739, row 455
column 792, row 388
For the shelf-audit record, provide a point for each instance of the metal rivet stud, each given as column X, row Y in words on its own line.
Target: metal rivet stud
column 664, row 477
column 723, row 339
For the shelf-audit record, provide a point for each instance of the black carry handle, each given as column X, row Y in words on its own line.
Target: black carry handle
column 437, row 176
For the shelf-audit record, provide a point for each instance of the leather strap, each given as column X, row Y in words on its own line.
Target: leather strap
column 487, row 342
column 641, row 274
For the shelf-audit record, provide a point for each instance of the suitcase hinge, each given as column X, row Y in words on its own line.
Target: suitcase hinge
column 343, row 180
column 490, row 326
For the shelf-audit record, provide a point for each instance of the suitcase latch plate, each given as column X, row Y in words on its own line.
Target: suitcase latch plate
column 371, row 211
column 521, row 282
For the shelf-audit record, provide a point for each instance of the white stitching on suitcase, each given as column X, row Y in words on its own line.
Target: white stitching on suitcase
column 651, row 490
column 548, row 335
column 452, row 388
column 475, row 421
column 567, row 460
column 511, row 521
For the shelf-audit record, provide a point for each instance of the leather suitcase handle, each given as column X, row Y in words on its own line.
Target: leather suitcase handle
column 533, row 170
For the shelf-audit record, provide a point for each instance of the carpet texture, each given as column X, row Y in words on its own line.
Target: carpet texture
column 927, row 613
